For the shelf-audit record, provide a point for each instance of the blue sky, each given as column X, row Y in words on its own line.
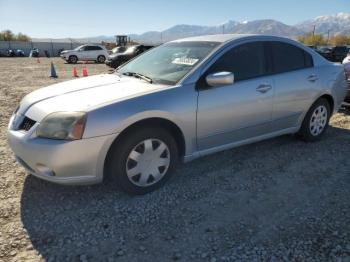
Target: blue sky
column 78, row 18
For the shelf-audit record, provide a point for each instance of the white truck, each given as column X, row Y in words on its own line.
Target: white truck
column 85, row 53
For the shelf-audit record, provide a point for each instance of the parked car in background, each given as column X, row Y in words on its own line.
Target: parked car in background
column 19, row 53
column 117, row 59
column 334, row 54
column 326, row 52
column 346, row 63
column 11, row 53
column 88, row 52
column 118, row 49
column 339, row 53
column 180, row 101
column 15, row 53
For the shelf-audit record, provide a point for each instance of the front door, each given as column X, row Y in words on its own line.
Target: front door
column 240, row 111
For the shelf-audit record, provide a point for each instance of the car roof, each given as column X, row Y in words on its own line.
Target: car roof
column 223, row 38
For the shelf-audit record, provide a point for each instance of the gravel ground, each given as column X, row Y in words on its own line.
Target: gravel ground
column 278, row 200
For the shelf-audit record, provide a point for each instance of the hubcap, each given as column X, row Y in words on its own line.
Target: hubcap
column 148, row 162
column 318, row 120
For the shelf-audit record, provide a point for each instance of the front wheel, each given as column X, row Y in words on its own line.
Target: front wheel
column 101, row 59
column 72, row 59
column 316, row 121
column 143, row 160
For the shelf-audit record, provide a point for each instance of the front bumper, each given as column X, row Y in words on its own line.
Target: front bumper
column 78, row 162
column 109, row 63
column 64, row 57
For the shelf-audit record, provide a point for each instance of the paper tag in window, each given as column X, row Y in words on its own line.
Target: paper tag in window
column 185, row 61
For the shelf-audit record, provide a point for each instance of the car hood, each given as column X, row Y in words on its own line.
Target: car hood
column 83, row 94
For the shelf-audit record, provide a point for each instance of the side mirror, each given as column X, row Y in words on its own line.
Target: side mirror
column 220, row 79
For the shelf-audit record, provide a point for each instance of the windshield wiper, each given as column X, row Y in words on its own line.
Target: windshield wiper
column 138, row 75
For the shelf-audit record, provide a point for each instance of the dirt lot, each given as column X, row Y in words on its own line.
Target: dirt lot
column 281, row 199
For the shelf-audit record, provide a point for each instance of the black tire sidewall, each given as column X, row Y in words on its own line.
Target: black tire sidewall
column 74, row 57
column 98, row 59
column 305, row 128
column 116, row 169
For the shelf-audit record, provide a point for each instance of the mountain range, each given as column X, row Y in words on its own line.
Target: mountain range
column 334, row 24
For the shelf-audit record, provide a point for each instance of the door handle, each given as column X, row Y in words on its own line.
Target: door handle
column 312, row 78
column 263, row 88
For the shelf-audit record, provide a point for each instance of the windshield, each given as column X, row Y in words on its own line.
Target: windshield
column 76, row 49
column 130, row 49
column 170, row 62
column 118, row 49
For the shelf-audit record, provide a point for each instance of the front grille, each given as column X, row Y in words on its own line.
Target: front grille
column 27, row 124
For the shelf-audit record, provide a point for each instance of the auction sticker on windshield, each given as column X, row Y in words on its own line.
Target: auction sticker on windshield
column 185, row 61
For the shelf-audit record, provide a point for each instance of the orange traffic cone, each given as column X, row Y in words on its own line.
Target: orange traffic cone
column 85, row 73
column 75, row 73
column 38, row 60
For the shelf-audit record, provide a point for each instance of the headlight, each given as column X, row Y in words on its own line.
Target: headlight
column 62, row 125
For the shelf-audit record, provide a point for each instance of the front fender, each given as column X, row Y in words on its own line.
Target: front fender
column 177, row 105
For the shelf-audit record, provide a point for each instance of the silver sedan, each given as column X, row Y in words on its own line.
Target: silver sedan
column 182, row 100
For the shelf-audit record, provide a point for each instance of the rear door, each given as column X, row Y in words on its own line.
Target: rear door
column 96, row 51
column 296, row 80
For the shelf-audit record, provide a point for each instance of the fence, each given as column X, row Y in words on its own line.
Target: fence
column 53, row 48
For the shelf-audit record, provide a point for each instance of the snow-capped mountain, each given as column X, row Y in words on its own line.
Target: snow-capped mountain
column 336, row 24
column 267, row 26
column 339, row 23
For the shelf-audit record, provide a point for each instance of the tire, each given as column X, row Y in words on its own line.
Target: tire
column 316, row 121
column 72, row 59
column 101, row 59
column 134, row 168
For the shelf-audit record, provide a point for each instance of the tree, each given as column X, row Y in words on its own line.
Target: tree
column 22, row 37
column 312, row 39
column 7, row 35
column 340, row 40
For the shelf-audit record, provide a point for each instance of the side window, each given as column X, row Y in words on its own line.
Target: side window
column 87, row 48
column 96, row 48
column 245, row 61
column 287, row 57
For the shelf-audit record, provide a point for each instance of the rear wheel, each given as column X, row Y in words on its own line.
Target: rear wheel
column 73, row 59
column 143, row 160
column 316, row 121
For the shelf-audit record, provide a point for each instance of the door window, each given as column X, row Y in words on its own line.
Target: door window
column 286, row 57
column 245, row 61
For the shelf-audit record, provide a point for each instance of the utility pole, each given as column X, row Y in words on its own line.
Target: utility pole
column 52, row 54
column 223, row 29
column 328, row 37
column 313, row 35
